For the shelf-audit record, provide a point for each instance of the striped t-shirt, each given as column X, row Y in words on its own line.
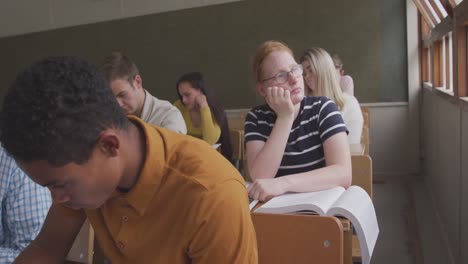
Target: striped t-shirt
column 318, row 119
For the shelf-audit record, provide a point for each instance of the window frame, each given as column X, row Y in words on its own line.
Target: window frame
column 444, row 41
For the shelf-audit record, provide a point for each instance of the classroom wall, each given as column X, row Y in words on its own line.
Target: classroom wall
column 464, row 187
column 24, row 16
column 392, row 140
column 445, row 151
column 393, row 57
column 220, row 41
column 394, row 129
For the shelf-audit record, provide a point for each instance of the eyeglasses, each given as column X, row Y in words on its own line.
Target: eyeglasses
column 282, row 77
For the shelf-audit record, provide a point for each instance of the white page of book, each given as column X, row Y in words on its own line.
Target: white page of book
column 319, row 202
column 216, row 146
column 252, row 203
column 356, row 205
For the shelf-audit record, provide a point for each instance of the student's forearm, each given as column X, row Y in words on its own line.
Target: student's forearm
column 266, row 164
column 211, row 130
column 37, row 255
column 211, row 134
column 317, row 180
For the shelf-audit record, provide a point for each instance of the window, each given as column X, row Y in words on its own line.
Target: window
column 444, row 61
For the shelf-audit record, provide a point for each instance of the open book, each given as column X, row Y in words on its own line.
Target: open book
column 353, row 204
column 252, row 202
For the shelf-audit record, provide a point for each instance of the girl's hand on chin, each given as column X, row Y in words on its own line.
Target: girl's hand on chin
column 279, row 99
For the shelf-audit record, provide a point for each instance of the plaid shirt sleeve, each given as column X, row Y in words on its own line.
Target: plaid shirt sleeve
column 24, row 208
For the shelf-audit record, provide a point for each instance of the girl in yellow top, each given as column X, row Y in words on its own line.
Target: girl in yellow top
column 204, row 117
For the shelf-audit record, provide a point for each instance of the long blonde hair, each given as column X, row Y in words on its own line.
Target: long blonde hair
column 327, row 82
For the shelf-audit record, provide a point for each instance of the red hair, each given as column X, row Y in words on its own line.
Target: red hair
column 263, row 51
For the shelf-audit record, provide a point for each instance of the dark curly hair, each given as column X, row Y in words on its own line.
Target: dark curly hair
column 56, row 109
column 197, row 81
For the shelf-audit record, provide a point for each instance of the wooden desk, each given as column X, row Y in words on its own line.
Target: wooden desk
column 302, row 236
column 293, row 238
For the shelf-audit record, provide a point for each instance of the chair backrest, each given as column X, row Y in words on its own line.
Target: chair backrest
column 365, row 140
column 236, row 120
column 362, row 172
column 237, row 141
column 365, row 129
column 298, row 239
column 366, row 115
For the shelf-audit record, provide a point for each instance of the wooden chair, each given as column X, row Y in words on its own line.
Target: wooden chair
column 366, row 115
column 245, row 170
column 365, row 129
column 362, row 172
column 237, row 141
column 237, row 121
column 365, row 141
column 289, row 238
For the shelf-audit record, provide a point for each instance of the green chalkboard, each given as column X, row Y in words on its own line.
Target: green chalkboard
column 220, row 41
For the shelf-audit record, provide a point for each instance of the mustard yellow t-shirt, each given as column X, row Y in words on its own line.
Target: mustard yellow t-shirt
column 189, row 205
column 208, row 130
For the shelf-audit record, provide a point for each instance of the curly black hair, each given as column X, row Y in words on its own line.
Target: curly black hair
column 56, row 109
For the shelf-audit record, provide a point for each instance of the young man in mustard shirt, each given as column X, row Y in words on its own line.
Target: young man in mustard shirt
column 151, row 195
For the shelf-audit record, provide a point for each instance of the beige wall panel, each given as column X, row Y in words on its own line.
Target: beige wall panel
column 442, row 137
column 392, row 145
column 22, row 16
column 448, row 178
column 78, row 12
column 144, row 7
column 213, row 2
column 464, row 186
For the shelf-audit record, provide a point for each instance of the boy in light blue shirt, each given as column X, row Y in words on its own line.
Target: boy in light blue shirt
column 24, row 207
